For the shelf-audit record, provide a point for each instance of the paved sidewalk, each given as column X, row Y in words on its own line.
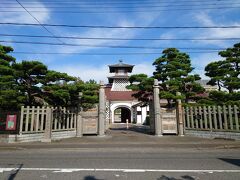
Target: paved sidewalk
column 136, row 136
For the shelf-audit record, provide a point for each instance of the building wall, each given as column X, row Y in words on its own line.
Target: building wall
column 120, row 85
column 141, row 114
column 118, row 104
column 138, row 114
column 207, row 87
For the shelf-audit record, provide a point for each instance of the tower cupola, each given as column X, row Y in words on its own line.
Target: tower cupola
column 120, row 79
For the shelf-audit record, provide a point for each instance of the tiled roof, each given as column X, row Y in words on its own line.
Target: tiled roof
column 118, row 77
column 120, row 65
column 119, row 95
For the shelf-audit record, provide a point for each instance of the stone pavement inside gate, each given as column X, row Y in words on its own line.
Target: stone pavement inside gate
column 136, row 136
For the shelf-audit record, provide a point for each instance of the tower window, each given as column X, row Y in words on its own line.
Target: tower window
column 121, row 72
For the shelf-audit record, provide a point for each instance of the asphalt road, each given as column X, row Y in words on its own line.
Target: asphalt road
column 120, row 163
column 123, row 154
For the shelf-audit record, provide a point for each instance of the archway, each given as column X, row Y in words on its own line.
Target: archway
column 121, row 114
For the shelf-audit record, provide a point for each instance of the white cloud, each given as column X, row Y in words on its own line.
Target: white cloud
column 94, row 33
column 98, row 73
column 201, row 61
column 144, row 68
column 149, row 18
column 24, row 17
column 139, row 18
column 205, row 20
column 167, row 43
column 85, row 72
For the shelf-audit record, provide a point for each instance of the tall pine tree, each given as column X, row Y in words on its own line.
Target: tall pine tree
column 8, row 89
column 226, row 73
column 29, row 77
column 173, row 70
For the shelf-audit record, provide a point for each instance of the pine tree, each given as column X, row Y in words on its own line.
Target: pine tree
column 226, row 73
column 8, row 88
column 29, row 77
column 143, row 86
column 173, row 70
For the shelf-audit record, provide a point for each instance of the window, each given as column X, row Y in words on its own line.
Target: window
column 139, row 112
column 121, row 71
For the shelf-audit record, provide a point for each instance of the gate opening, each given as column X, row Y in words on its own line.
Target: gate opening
column 121, row 115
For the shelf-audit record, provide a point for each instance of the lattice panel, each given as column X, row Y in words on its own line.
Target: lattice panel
column 120, row 85
column 107, row 110
column 108, row 114
column 134, row 115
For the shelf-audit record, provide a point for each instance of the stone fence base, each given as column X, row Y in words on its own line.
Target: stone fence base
column 37, row 137
column 209, row 134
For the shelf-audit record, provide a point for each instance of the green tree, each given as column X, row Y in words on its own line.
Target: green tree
column 143, row 85
column 57, row 88
column 31, row 83
column 9, row 95
column 232, row 56
column 221, row 97
column 66, row 93
column 173, row 70
column 90, row 90
column 42, row 86
column 226, row 73
column 30, row 76
column 216, row 71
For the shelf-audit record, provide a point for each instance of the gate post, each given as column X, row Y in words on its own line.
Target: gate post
column 151, row 116
column 156, row 101
column 102, row 110
column 21, row 120
column 48, row 125
column 79, row 127
column 179, row 115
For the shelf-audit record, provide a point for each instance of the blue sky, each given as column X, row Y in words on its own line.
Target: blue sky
column 114, row 13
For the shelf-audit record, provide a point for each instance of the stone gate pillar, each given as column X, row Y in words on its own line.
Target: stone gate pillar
column 102, row 110
column 156, row 104
column 180, row 116
column 79, row 131
column 48, row 126
column 151, row 115
column 79, row 128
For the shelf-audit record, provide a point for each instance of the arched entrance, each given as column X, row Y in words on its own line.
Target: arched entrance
column 121, row 114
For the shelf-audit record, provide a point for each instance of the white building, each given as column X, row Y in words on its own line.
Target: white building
column 121, row 105
column 207, row 87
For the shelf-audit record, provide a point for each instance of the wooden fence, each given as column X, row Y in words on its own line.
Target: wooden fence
column 64, row 119
column 212, row 118
column 33, row 119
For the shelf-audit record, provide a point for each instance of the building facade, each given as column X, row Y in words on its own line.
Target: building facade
column 121, row 105
column 207, row 87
